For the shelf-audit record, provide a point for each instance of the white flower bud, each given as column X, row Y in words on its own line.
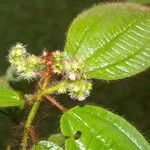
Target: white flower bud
column 81, row 98
column 72, row 77
column 45, row 53
column 28, row 75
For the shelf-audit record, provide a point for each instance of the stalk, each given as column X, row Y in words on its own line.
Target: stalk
column 34, row 109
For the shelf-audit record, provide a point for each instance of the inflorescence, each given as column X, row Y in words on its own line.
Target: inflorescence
column 72, row 69
column 28, row 67
column 24, row 63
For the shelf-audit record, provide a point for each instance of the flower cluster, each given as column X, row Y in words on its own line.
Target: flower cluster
column 24, row 63
column 71, row 70
column 58, row 66
column 78, row 85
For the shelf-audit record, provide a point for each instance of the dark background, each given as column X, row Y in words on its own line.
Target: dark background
column 43, row 24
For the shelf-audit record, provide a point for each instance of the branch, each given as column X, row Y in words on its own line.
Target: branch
column 54, row 88
column 33, row 135
column 31, row 116
column 28, row 123
column 55, row 103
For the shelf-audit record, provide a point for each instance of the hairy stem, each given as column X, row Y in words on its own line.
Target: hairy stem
column 32, row 134
column 55, row 103
column 54, row 88
column 28, row 123
column 31, row 116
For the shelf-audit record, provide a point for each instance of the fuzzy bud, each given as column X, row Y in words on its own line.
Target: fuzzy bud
column 79, row 89
column 24, row 63
column 17, row 54
column 57, row 68
column 29, row 67
column 58, row 56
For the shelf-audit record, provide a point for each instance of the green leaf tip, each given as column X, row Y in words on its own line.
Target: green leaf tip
column 10, row 98
column 112, row 39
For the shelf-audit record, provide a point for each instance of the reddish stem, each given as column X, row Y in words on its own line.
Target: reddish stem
column 33, row 135
column 55, row 103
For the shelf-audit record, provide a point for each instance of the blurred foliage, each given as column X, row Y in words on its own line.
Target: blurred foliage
column 140, row 1
column 43, row 24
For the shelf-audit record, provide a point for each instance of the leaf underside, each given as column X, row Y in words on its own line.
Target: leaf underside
column 112, row 39
column 99, row 130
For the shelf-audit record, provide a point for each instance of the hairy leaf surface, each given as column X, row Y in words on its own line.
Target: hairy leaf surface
column 92, row 127
column 112, row 39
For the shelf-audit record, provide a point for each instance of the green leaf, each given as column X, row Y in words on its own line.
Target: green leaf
column 58, row 139
column 46, row 145
column 92, row 127
column 9, row 98
column 112, row 39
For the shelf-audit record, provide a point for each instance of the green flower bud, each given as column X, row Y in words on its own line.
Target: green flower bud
column 24, row 63
column 58, row 56
column 71, row 68
column 17, row 54
column 62, row 89
column 79, row 89
column 57, row 68
column 27, row 69
column 33, row 61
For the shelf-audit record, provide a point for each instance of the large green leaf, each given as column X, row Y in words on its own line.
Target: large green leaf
column 9, row 98
column 46, row 145
column 112, row 39
column 94, row 128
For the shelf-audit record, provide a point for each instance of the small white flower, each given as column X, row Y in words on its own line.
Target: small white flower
column 28, row 75
column 72, row 96
column 33, row 60
column 45, row 53
column 72, row 77
column 81, row 98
